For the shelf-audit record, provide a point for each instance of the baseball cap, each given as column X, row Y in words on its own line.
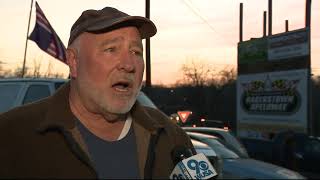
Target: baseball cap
column 108, row 19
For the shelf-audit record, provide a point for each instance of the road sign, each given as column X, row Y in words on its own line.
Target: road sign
column 184, row 115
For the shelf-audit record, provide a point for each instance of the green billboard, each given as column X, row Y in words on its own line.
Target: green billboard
column 252, row 51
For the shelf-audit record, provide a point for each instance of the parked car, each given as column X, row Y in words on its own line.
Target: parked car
column 237, row 166
column 19, row 91
column 210, row 154
column 16, row 92
column 260, row 149
column 306, row 153
column 224, row 135
column 296, row 151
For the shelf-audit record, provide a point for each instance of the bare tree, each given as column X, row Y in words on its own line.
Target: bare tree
column 17, row 72
column 2, row 73
column 1, row 69
column 1, row 66
column 196, row 73
column 199, row 73
column 49, row 70
column 316, row 80
column 227, row 75
column 213, row 80
column 36, row 68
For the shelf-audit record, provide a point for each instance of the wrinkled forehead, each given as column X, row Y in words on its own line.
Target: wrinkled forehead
column 117, row 35
column 128, row 35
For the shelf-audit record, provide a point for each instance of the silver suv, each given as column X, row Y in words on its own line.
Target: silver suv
column 19, row 91
column 16, row 92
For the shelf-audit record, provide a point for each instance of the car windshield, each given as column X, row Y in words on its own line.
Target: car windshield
column 202, row 148
column 8, row 95
column 222, row 151
column 145, row 101
column 228, row 138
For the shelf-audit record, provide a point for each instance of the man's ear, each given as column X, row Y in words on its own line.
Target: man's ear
column 72, row 61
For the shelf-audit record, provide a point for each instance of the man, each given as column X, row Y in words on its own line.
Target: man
column 93, row 127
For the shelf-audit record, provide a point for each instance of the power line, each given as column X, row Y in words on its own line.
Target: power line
column 191, row 6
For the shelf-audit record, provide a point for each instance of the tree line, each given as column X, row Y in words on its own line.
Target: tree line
column 30, row 72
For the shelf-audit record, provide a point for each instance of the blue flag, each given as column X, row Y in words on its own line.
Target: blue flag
column 46, row 38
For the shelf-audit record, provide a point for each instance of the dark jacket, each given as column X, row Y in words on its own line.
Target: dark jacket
column 40, row 140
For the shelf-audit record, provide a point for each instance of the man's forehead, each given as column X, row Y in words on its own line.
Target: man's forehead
column 118, row 34
column 119, row 39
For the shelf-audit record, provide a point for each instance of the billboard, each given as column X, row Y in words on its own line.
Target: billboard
column 272, row 101
column 288, row 45
column 252, row 51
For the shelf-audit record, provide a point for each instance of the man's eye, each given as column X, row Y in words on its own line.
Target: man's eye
column 110, row 49
column 137, row 52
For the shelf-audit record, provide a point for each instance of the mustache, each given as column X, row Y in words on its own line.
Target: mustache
column 125, row 79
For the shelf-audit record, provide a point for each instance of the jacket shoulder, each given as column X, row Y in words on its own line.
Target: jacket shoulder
column 25, row 115
column 174, row 131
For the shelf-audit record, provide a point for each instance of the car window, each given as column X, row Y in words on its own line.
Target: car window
column 230, row 140
column 312, row 147
column 203, row 148
column 8, row 95
column 145, row 101
column 233, row 143
column 221, row 150
column 36, row 92
column 58, row 84
column 207, row 132
column 218, row 135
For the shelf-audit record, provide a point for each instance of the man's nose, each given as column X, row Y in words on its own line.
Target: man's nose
column 126, row 63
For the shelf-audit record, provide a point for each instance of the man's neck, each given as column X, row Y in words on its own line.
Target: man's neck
column 98, row 124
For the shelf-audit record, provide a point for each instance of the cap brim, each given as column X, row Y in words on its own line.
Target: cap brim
column 145, row 26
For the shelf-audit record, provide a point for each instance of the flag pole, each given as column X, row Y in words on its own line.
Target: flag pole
column 26, row 46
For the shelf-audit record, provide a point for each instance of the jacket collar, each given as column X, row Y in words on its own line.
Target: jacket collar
column 59, row 114
column 144, row 119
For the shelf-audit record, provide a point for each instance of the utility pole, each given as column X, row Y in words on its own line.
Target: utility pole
column 148, row 60
column 270, row 17
column 241, row 23
column 264, row 23
column 308, row 13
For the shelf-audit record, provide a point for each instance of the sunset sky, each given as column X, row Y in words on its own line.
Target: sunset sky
column 204, row 30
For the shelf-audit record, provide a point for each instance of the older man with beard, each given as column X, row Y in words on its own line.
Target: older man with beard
column 93, row 127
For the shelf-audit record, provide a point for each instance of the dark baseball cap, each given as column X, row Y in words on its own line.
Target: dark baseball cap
column 108, row 19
